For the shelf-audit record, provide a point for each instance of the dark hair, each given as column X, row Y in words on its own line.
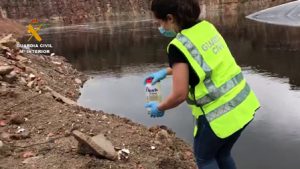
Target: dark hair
column 186, row 12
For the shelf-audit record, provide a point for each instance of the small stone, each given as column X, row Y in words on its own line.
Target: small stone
column 32, row 76
column 104, row 117
column 50, row 135
column 31, row 160
column 11, row 77
column 21, row 58
column 21, row 136
column 5, row 136
column 189, row 155
column 78, row 81
column 163, row 137
column 68, row 133
column 157, row 142
column 4, row 150
column 30, row 84
column 9, row 42
column 2, row 123
column 17, row 119
column 153, row 148
column 28, row 154
column 23, row 81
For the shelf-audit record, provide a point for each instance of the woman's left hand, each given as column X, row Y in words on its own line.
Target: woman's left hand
column 154, row 111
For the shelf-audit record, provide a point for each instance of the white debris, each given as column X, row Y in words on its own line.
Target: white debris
column 57, row 63
column 20, row 130
column 123, row 154
column 153, row 148
column 32, row 76
column 104, row 117
column 78, row 81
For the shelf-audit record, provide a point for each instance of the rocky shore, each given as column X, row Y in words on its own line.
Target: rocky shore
column 41, row 126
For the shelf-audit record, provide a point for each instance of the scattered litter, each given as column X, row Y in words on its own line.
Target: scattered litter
column 123, row 154
column 20, row 130
column 57, row 63
column 153, row 148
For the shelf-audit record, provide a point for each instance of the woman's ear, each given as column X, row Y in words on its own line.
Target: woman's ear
column 170, row 18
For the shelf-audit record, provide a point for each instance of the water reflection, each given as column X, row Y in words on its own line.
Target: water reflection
column 266, row 48
column 110, row 46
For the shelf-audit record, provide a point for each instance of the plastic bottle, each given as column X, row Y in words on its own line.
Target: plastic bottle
column 153, row 92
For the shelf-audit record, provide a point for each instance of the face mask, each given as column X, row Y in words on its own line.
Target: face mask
column 166, row 33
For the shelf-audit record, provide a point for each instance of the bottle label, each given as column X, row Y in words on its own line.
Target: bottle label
column 153, row 93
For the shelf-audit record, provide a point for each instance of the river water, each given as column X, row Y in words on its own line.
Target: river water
column 119, row 54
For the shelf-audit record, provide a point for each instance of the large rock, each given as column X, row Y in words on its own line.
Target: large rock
column 11, row 77
column 97, row 145
column 9, row 41
column 4, row 70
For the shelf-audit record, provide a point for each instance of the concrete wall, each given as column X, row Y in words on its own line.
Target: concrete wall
column 74, row 11
column 78, row 11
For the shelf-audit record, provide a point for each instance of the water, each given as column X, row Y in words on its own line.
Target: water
column 118, row 55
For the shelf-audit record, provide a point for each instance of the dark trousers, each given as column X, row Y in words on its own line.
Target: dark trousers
column 212, row 152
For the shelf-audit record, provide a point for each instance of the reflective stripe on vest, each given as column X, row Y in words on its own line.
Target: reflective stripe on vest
column 227, row 107
column 217, row 92
column 213, row 91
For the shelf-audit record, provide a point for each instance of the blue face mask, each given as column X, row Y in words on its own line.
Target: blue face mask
column 166, row 33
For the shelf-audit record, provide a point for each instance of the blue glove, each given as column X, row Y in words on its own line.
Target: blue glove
column 154, row 112
column 157, row 76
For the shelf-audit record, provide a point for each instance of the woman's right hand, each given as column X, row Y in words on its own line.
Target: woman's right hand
column 157, row 76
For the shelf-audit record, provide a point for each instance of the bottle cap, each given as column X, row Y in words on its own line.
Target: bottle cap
column 149, row 80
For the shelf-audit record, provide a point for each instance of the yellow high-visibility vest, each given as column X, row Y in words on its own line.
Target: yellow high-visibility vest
column 222, row 94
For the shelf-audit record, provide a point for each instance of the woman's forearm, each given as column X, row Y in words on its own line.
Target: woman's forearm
column 180, row 86
column 171, row 101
